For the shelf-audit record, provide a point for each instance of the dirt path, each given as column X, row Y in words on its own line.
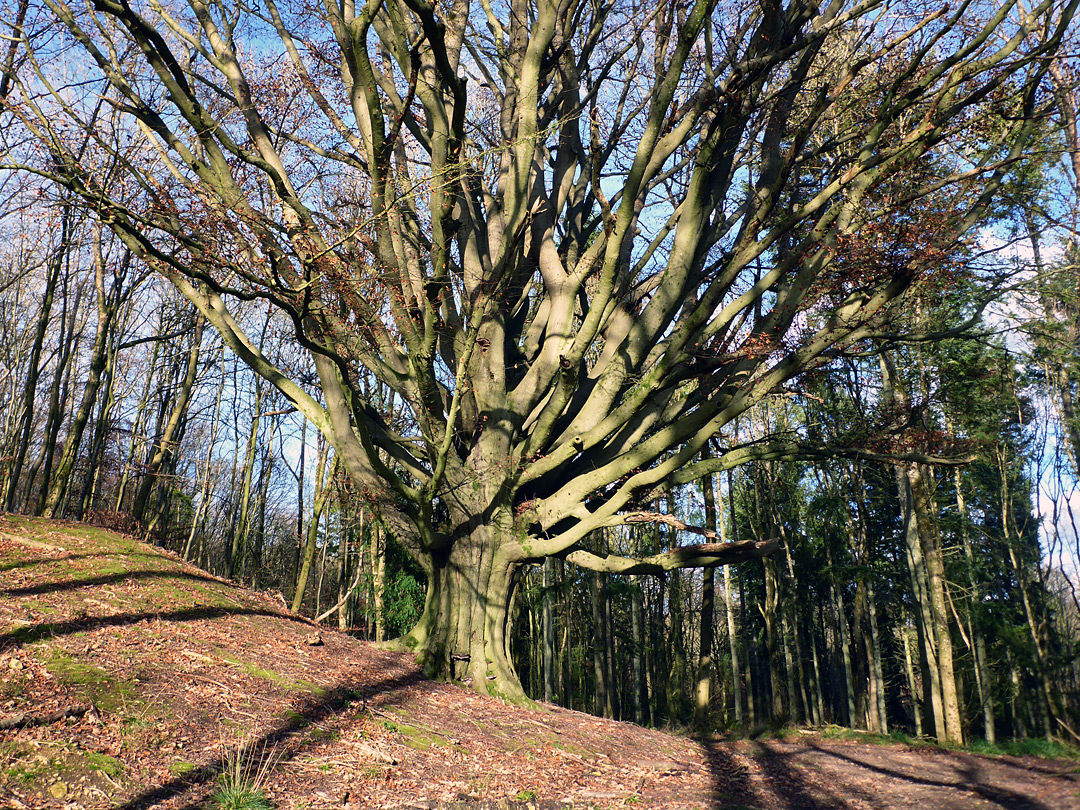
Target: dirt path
column 166, row 672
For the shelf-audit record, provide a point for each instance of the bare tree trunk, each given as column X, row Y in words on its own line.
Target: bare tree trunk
column 729, row 602
column 912, row 686
column 983, row 675
column 601, row 704
column 641, row 700
column 702, row 691
column 343, row 575
column 107, row 305
column 33, row 368
column 58, row 397
column 930, row 539
column 165, row 445
column 876, row 670
column 204, row 486
column 235, row 550
column 549, row 629
column 299, row 509
column 378, row 579
column 312, row 539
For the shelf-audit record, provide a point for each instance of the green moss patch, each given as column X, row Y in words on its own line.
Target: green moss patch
column 107, row 692
column 181, row 767
column 59, row 770
column 275, row 678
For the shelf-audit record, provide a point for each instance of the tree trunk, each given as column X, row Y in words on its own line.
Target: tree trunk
column 641, row 700
column 172, row 427
column 930, row 540
column 462, row 632
column 876, row 670
column 107, row 304
column 204, row 488
column 322, row 489
column 548, row 630
column 234, row 551
column 729, row 603
column 912, row 686
column 33, row 369
column 702, row 691
column 343, row 575
column 602, row 704
column 58, row 396
column 378, row 579
column 983, row 676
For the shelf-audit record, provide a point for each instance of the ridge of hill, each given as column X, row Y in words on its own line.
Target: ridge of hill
column 131, row 679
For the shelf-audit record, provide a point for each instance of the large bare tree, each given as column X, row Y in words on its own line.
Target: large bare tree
column 573, row 239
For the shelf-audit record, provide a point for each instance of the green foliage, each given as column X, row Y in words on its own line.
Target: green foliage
column 404, row 594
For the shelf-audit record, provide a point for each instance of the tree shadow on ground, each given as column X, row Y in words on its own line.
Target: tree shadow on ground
column 314, row 709
column 789, row 782
column 104, row 579
column 968, row 778
column 31, row 562
column 28, row 635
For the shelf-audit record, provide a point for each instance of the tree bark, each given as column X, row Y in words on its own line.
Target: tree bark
column 33, row 367
column 107, row 305
column 703, row 688
column 165, row 445
column 463, row 628
column 323, row 488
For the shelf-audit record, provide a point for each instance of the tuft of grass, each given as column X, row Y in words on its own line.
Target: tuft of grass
column 243, row 779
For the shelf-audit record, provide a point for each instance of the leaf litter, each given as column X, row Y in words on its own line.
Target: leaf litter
column 139, row 679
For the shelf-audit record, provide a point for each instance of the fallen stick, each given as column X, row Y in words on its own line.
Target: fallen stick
column 23, row 720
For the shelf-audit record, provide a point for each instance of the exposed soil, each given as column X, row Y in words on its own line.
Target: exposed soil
column 165, row 672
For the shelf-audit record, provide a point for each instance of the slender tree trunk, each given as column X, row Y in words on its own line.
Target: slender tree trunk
column 234, row 551
column 312, row 539
column 926, row 567
column 703, row 688
column 378, row 579
column 983, row 675
column 33, row 368
column 107, row 304
column 95, row 459
column 916, row 712
column 299, row 509
column 549, row 629
column 876, row 670
column 930, row 540
column 640, row 696
column 602, row 705
column 819, row 698
column 343, row 575
column 168, row 436
column 58, row 397
column 733, row 638
column 139, row 423
column 614, row 705
column 751, row 704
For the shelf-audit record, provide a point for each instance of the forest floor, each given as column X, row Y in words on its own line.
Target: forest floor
column 130, row 679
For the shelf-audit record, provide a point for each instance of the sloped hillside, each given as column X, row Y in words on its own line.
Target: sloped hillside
column 131, row 679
